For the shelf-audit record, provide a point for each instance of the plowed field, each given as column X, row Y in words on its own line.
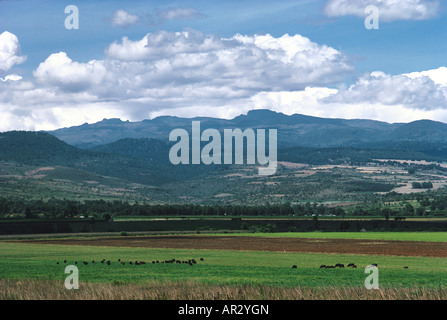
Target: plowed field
column 347, row 246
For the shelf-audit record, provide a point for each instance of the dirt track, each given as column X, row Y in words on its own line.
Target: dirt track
column 373, row 247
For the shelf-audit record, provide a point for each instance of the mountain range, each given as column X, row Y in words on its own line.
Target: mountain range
column 293, row 131
column 116, row 159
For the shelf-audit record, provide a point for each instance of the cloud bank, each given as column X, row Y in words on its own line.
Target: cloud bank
column 194, row 74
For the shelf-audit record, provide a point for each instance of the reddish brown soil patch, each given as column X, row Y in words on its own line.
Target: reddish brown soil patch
column 348, row 246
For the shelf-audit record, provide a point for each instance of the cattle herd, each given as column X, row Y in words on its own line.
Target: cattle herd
column 190, row 262
column 338, row 265
column 341, row 265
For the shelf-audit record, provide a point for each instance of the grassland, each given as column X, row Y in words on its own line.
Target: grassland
column 220, row 269
column 55, row 290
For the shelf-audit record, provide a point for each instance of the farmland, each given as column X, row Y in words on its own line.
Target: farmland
column 258, row 266
column 396, row 236
column 249, row 231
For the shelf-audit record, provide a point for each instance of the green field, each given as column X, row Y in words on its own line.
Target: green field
column 39, row 262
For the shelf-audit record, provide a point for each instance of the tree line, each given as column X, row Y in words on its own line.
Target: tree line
column 56, row 208
column 101, row 209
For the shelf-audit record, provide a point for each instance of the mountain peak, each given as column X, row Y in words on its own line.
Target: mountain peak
column 111, row 121
column 262, row 112
column 260, row 116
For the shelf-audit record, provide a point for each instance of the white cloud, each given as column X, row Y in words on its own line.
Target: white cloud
column 60, row 71
column 438, row 76
column 185, row 72
column 240, row 62
column 389, row 10
column 179, row 14
column 122, row 18
column 12, row 77
column 378, row 88
column 193, row 74
column 9, row 51
column 163, row 44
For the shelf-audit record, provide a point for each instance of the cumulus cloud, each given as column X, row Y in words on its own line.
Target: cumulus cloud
column 378, row 88
column 184, row 72
column 390, row 10
column 194, row 74
column 60, row 71
column 9, row 51
column 438, row 76
column 122, row 18
column 243, row 62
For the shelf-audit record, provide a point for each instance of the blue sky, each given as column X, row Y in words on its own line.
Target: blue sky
column 354, row 80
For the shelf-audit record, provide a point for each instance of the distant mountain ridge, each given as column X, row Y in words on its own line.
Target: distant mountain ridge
column 148, row 166
column 294, row 130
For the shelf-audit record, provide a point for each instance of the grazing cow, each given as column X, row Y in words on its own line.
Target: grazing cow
column 65, row 261
column 294, row 267
column 85, row 263
column 322, row 266
column 405, row 267
column 57, row 262
column 350, row 265
column 201, row 259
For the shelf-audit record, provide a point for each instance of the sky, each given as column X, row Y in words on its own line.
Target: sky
column 137, row 60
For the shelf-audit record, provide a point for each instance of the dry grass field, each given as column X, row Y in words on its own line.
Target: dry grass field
column 54, row 290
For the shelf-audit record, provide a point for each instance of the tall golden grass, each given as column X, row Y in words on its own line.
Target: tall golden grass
column 55, row 290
